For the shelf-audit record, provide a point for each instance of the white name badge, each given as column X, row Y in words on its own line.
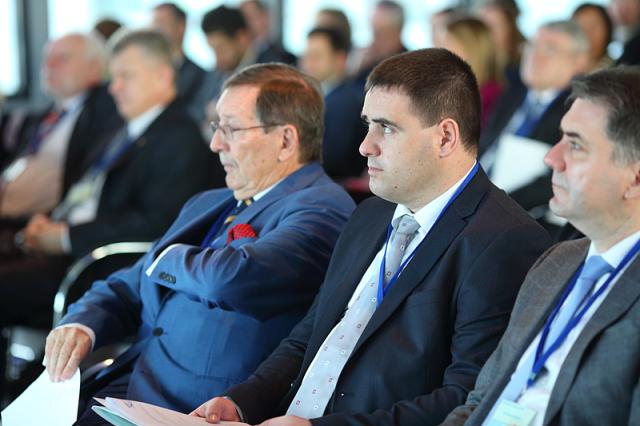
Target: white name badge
column 14, row 170
column 509, row 413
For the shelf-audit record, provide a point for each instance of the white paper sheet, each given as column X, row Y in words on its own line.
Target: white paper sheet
column 518, row 162
column 45, row 403
column 142, row 414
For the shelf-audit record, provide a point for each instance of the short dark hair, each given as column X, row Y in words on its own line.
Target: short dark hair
column 260, row 5
column 395, row 8
column 439, row 84
column 178, row 13
column 335, row 38
column 618, row 91
column 286, row 95
column 339, row 21
column 224, row 20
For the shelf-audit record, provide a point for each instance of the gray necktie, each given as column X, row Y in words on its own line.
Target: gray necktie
column 320, row 381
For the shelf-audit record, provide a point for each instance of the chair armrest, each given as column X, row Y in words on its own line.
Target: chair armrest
column 104, row 253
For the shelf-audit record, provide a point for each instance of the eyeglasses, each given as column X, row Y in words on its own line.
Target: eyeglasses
column 228, row 132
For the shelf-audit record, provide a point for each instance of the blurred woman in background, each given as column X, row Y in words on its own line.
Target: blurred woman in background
column 501, row 18
column 471, row 39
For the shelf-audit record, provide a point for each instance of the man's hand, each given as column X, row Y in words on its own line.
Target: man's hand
column 44, row 236
column 286, row 421
column 66, row 348
column 217, row 409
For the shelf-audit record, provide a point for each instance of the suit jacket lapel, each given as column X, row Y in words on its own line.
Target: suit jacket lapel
column 431, row 250
column 533, row 307
column 623, row 295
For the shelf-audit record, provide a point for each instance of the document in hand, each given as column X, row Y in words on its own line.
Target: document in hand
column 45, row 403
column 122, row 412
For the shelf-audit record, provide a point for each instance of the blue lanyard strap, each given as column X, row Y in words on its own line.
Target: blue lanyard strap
column 111, row 155
column 541, row 355
column 382, row 289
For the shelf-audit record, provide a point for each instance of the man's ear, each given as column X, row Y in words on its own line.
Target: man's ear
column 633, row 190
column 290, row 143
column 449, row 134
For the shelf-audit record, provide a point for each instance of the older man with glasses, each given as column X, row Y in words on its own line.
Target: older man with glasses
column 237, row 269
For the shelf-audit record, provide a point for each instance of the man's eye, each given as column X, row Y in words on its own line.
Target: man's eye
column 574, row 146
column 386, row 130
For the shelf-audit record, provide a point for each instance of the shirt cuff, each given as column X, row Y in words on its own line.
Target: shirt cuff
column 151, row 267
column 238, row 409
column 65, row 240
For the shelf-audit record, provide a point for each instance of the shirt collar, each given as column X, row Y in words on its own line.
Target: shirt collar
column 615, row 254
column 542, row 97
column 137, row 126
column 72, row 102
column 264, row 192
column 427, row 215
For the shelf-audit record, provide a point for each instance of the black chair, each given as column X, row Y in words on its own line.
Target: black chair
column 25, row 346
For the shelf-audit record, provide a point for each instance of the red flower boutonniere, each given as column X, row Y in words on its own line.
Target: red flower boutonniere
column 241, row 230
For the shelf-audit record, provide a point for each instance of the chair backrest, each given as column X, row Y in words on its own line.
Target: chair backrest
column 98, row 264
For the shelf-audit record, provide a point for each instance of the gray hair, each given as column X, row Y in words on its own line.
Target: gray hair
column 618, row 91
column 573, row 30
column 153, row 43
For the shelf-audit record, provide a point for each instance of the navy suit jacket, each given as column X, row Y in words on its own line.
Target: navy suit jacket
column 210, row 316
column 421, row 351
column 146, row 187
column 343, row 131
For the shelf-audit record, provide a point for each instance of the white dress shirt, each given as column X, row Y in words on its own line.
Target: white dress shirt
column 38, row 185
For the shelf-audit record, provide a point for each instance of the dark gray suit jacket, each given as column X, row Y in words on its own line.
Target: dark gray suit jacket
column 599, row 382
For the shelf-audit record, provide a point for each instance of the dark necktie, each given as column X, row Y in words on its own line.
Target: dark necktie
column 533, row 110
column 45, row 128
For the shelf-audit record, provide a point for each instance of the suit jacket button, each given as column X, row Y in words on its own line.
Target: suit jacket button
column 342, row 394
column 158, row 331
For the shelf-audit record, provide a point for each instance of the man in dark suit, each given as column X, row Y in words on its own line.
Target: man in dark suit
column 626, row 16
column 558, row 52
column 42, row 154
column 171, row 20
column 236, row 270
column 132, row 190
column 256, row 15
column 570, row 353
column 325, row 59
column 389, row 344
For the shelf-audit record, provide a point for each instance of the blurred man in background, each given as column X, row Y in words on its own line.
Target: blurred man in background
column 171, row 20
column 325, row 59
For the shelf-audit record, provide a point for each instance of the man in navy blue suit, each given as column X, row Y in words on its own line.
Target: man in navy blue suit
column 237, row 269
column 326, row 60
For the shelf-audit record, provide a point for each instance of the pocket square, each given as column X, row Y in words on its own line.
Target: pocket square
column 241, row 230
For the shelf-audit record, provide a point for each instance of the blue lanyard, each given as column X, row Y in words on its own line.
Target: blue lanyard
column 110, row 156
column 541, row 355
column 382, row 289
column 217, row 225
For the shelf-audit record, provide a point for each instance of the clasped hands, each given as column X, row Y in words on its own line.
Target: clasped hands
column 42, row 235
